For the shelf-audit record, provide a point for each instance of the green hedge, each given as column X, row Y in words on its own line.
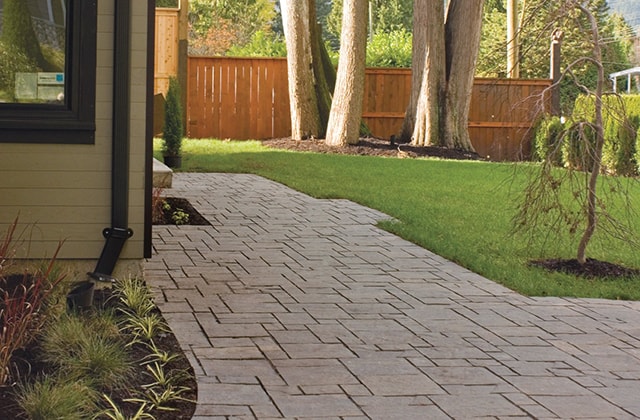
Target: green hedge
column 621, row 120
column 546, row 143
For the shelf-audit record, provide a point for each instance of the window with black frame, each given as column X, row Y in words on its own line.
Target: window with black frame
column 47, row 71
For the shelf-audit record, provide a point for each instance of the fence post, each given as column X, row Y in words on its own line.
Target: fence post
column 183, row 47
column 556, row 58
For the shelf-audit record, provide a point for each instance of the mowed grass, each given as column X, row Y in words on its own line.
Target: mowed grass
column 461, row 210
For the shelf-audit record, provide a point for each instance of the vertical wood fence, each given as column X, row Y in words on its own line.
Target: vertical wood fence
column 238, row 98
column 166, row 56
column 247, row 98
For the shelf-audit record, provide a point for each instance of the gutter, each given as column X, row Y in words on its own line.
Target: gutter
column 117, row 234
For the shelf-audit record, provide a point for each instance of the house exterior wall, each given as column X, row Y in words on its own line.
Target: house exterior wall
column 63, row 191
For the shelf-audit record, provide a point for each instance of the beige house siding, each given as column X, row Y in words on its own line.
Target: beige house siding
column 63, row 192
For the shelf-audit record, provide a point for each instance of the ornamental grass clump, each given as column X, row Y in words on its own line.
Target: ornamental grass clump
column 52, row 397
column 80, row 350
column 24, row 300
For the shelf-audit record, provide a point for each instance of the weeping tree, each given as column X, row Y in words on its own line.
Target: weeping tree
column 573, row 199
column 445, row 48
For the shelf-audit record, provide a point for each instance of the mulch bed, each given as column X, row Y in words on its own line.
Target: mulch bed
column 183, row 205
column 590, row 269
column 372, row 146
column 30, row 367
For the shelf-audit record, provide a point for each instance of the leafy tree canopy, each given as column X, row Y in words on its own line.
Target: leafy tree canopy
column 538, row 20
column 216, row 25
column 167, row 3
column 388, row 16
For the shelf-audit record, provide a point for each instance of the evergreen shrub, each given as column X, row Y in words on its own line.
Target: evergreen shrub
column 546, row 142
column 173, row 130
column 621, row 120
column 579, row 144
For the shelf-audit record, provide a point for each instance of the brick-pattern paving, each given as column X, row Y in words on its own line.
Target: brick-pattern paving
column 293, row 307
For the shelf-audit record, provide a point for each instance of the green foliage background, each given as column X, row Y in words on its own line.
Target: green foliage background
column 538, row 21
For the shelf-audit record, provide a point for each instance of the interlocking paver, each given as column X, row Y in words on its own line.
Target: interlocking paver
column 293, row 307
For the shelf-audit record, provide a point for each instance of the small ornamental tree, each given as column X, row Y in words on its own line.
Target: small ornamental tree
column 574, row 200
column 173, row 130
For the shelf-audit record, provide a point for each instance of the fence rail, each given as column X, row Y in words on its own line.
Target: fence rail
column 248, row 98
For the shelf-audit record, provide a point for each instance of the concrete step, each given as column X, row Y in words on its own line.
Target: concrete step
column 162, row 175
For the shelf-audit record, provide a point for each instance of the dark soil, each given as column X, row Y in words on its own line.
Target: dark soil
column 590, row 269
column 182, row 205
column 29, row 366
column 372, row 146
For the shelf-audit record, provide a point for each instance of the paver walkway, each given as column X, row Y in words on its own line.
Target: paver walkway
column 293, row 307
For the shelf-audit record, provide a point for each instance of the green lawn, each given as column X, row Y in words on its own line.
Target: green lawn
column 461, row 210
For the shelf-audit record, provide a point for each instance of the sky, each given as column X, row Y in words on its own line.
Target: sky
column 629, row 9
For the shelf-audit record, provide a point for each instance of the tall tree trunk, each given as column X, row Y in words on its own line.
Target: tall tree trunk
column 424, row 116
column 462, row 34
column 420, row 26
column 324, row 74
column 443, row 72
column 305, row 121
column 346, row 109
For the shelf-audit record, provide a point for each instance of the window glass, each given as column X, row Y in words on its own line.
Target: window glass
column 33, row 45
column 47, row 71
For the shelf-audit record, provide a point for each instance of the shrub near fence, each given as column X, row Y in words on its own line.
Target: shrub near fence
column 248, row 98
column 621, row 120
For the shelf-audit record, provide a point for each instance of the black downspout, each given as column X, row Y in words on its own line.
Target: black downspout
column 119, row 232
column 148, row 179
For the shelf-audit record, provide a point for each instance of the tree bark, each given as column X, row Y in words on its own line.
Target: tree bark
column 462, row 35
column 420, row 26
column 323, row 71
column 423, row 121
column 443, row 71
column 305, row 121
column 346, row 109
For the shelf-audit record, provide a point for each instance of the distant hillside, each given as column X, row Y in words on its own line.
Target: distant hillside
column 629, row 9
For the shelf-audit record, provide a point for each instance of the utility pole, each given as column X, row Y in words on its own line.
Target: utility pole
column 513, row 61
column 371, row 20
column 554, row 70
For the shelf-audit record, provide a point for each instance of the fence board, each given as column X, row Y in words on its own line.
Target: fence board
column 242, row 98
column 166, row 51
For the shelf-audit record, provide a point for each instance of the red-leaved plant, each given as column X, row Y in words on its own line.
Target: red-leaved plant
column 23, row 299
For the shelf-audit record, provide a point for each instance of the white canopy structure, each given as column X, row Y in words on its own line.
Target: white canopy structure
column 635, row 71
